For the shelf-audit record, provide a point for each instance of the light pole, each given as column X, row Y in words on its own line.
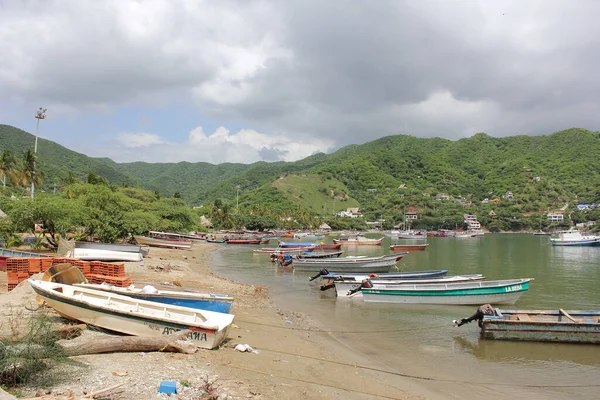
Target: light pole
column 40, row 114
column 237, row 199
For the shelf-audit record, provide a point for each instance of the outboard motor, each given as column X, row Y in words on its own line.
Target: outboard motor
column 321, row 272
column 485, row 309
column 367, row 284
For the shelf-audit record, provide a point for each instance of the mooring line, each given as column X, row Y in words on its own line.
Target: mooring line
column 318, row 330
column 425, row 378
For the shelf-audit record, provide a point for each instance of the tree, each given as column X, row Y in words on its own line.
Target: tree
column 9, row 168
column 29, row 174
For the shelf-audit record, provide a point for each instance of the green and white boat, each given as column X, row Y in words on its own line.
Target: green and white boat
column 455, row 293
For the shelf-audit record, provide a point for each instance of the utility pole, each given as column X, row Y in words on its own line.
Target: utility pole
column 40, row 114
column 237, row 199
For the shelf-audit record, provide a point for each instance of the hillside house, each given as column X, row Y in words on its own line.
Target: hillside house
column 442, row 196
column 508, row 195
column 495, row 201
column 351, row 212
column 493, row 215
column 556, row 217
column 411, row 216
column 485, row 201
column 471, row 221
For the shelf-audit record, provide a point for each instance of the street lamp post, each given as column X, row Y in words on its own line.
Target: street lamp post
column 40, row 114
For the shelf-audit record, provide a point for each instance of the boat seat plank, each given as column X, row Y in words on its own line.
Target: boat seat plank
column 523, row 317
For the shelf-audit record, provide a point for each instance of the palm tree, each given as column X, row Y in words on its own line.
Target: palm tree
column 9, row 168
column 29, row 173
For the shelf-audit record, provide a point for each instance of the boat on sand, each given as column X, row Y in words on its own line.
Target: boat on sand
column 131, row 316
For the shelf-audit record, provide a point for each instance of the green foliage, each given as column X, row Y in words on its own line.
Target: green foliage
column 31, row 358
column 383, row 177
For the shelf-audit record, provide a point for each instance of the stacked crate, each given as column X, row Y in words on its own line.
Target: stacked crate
column 17, row 270
column 20, row 269
column 112, row 273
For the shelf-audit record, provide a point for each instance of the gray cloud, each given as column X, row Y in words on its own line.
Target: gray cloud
column 348, row 72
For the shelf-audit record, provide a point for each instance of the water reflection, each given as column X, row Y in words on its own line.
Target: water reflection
column 523, row 353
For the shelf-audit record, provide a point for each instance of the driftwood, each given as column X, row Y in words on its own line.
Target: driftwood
column 72, row 396
column 171, row 343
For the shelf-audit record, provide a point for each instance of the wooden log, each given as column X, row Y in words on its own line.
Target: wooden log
column 112, row 344
column 566, row 314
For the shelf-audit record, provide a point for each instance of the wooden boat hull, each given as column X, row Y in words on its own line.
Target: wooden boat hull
column 343, row 287
column 543, row 326
column 132, row 316
column 156, row 242
column 408, row 247
column 462, row 293
column 243, row 241
column 184, row 298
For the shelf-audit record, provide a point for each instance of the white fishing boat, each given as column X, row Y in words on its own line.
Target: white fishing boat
column 132, row 316
column 350, row 288
column 458, row 293
column 104, row 255
column 360, row 264
column 574, row 238
column 173, row 295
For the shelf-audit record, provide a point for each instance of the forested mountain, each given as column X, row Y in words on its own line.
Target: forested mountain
column 383, row 176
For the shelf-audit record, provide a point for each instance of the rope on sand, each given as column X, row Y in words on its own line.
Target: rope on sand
column 317, row 330
column 424, row 378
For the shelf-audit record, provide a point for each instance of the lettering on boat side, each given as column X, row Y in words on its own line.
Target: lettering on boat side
column 514, row 288
column 198, row 336
column 154, row 327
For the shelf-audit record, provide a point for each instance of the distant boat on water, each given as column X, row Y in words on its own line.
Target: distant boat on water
column 574, row 238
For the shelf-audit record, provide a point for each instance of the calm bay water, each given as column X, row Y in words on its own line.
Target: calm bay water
column 419, row 341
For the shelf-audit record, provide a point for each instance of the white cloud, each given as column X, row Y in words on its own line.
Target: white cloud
column 140, row 139
column 244, row 146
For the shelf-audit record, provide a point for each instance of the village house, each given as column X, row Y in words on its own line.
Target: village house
column 351, row 212
column 556, row 217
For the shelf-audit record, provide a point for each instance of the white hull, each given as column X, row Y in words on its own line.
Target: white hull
column 343, row 287
column 363, row 265
column 134, row 317
column 104, row 255
column 501, row 298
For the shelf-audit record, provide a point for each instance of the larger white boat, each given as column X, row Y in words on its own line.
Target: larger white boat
column 133, row 316
column 574, row 238
column 459, row 293
column 349, row 287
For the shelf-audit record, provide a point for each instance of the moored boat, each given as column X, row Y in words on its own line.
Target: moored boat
column 243, row 241
column 538, row 325
column 132, row 316
column 350, row 287
column 319, row 254
column 360, row 240
column 173, row 295
column 460, row 293
column 359, row 264
column 408, row 247
column 574, row 238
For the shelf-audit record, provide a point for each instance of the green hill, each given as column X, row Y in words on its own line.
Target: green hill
column 383, row 177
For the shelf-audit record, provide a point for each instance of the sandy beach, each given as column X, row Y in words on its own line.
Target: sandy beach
column 292, row 358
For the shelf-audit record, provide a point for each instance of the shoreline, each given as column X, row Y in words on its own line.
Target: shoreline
column 294, row 360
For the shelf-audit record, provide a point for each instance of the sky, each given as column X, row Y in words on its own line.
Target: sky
column 245, row 81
